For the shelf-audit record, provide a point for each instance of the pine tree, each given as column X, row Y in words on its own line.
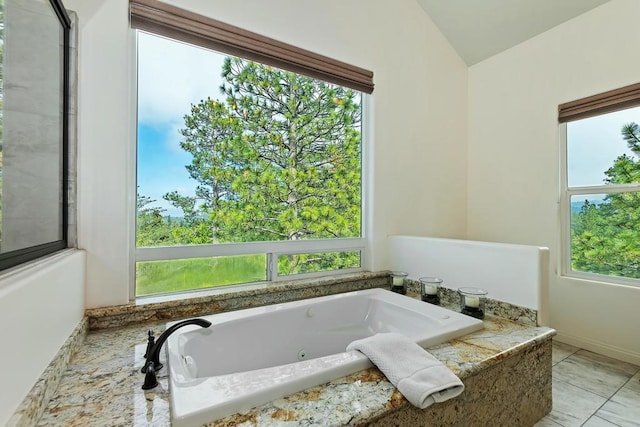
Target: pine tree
column 279, row 159
column 606, row 237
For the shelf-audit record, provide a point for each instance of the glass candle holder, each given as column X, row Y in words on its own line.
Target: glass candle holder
column 472, row 302
column 430, row 289
column 398, row 279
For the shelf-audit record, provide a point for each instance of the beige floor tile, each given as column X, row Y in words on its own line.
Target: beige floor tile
column 561, row 351
column 546, row 422
column 596, row 421
column 572, row 405
column 628, row 368
column 623, row 409
column 594, row 373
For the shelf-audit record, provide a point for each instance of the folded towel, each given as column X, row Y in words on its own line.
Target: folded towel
column 419, row 376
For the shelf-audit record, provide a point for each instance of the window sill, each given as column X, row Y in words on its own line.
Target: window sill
column 22, row 271
column 228, row 298
column 600, row 279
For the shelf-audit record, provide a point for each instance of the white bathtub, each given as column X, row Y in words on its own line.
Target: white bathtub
column 250, row 357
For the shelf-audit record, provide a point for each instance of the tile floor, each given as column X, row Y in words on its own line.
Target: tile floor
column 591, row 390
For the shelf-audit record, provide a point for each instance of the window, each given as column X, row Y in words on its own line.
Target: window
column 34, row 79
column 601, row 175
column 249, row 168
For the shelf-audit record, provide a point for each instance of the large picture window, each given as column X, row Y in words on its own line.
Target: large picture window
column 601, row 174
column 246, row 172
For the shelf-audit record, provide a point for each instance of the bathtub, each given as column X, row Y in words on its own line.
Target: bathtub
column 250, row 357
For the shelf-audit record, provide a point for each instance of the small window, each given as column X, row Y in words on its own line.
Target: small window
column 601, row 198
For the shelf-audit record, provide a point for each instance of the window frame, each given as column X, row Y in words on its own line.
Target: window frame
column 21, row 256
column 592, row 106
column 272, row 249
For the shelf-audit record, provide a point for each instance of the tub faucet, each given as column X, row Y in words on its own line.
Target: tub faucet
column 153, row 365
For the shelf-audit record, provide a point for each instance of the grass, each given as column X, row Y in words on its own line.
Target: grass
column 157, row 277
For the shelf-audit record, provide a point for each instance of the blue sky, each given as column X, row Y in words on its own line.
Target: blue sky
column 161, row 165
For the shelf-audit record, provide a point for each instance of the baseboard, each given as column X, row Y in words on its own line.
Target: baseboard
column 599, row 347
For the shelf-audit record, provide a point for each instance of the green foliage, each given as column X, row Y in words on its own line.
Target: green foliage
column 278, row 160
column 156, row 277
column 150, row 225
column 605, row 238
column 312, row 263
column 155, row 229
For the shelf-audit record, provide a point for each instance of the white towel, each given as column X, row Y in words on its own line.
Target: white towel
column 419, row 376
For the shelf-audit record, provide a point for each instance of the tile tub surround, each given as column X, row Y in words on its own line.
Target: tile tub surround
column 451, row 299
column 516, row 392
column 34, row 404
column 228, row 298
column 102, row 385
column 164, row 308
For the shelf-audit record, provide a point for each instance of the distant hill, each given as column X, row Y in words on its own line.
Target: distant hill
column 577, row 205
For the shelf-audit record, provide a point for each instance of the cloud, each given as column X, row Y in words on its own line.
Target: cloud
column 174, row 137
column 594, row 143
column 172, row 76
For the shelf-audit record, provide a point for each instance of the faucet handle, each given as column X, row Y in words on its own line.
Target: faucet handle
column 150, row 343
column 148, row 354
column 150, row 379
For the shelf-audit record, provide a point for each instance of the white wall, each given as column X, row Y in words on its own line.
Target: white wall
column 417, row 145
column 513, row 181
column 40, row 305
column 512, row 273
column 105, row 132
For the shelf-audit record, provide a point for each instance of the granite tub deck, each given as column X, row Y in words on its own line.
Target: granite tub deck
column 506, row 369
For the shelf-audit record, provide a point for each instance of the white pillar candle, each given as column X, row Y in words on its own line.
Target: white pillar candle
column 398, row 280
column 431, row 289
column 471, row 301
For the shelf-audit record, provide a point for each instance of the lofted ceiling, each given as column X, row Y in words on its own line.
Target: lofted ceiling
column 478, row 29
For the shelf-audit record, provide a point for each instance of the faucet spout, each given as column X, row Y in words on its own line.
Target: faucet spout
column 153, row 355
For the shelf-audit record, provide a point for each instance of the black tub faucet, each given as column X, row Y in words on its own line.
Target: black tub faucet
column 153, row 365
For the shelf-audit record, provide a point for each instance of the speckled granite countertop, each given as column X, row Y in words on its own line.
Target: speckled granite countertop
column 101, row 385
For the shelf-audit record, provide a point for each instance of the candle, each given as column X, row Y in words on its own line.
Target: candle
column 398, row 280
column 431, row 289
column 473, row 302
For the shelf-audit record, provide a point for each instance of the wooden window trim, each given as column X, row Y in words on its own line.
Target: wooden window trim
column 166, row 20
column 602, row 103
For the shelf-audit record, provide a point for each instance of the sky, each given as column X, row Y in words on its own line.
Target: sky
column 172, row 76
column 594, row 143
